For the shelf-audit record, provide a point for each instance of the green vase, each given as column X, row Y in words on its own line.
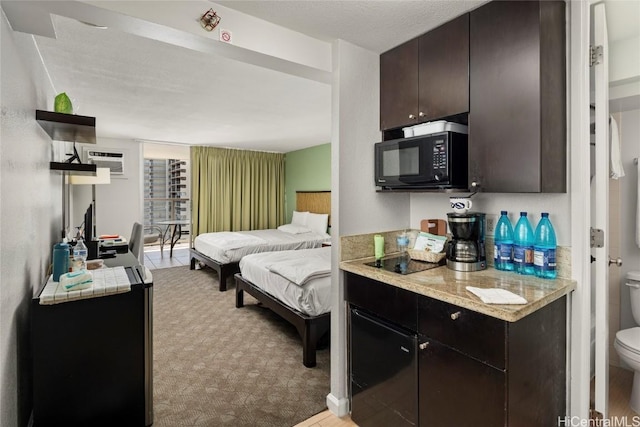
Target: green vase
column 62, row 104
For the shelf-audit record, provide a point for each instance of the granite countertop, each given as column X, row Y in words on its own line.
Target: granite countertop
column 450, row 286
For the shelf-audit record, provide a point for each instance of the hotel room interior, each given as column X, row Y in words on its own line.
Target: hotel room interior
column 285, row 97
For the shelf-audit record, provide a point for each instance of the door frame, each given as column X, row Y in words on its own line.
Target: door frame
column 579, row 320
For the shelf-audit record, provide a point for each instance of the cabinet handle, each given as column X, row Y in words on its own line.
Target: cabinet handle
column 411, row 116
column 424, row 345
column 421, row 114
column 454, row 316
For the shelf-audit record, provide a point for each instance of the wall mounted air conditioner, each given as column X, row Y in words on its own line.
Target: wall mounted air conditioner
column 114, row 160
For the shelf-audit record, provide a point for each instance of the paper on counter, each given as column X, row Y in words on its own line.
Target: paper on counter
column 496, row 296
column 429, row 241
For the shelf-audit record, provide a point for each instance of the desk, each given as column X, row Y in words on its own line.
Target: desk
column 93, row 358
column 174, row 235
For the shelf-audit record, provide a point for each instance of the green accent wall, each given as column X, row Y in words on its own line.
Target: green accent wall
column 306, row 170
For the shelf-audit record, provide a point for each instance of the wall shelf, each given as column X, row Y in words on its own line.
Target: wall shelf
column 74, row 168
column 67, row 127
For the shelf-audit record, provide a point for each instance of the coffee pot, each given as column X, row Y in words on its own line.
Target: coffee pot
column 465, row 251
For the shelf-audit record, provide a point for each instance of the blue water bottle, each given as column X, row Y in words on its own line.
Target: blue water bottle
column 503, row 239
column 523, row 246
column 544, row 249
column 60, row 260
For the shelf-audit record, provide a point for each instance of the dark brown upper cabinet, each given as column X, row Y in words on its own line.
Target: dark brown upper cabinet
column 426, row 78
column 517, row 115
column 399, row 86
column 444, row 70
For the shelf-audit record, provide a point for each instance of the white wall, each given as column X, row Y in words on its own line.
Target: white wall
column 356, row 207
column 629, row 127
column 362, row 210
column 30, row 215
column 558, row 205
column 624, row 59
column 165, row 151
column 118, row 204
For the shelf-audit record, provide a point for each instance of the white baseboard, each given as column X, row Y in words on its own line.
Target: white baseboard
column 338, row 406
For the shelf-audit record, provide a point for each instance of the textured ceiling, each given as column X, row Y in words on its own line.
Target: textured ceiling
column 372, row 24
column 159, row 92
column 140, row 88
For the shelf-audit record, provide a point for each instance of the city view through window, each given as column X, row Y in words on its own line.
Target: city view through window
column 166, row 194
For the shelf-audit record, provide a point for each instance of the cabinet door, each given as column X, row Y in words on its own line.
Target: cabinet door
column 444, row 70
column 457, row 390
column 399, row 86
column 517, row 117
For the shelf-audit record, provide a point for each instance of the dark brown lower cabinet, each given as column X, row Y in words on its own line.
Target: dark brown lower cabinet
column 457, row 390
column 473, row 369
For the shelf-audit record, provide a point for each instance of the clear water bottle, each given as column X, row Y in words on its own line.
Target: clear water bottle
column 503, row 238
column 80, row 253
column 523, row 239
column 544, row 249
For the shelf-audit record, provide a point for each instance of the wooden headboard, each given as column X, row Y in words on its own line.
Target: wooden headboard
column 314, row 201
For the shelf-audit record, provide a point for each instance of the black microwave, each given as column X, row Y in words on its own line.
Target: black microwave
column 435, row 161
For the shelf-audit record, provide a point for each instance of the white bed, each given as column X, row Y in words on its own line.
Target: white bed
column 303, row 299
column 223, row 250
column 312, row 298
column 227, row 247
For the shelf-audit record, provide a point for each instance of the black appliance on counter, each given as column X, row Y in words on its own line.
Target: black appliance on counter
column 437, row 160
column 466, row 251
column 403, row 264
column 384, row 372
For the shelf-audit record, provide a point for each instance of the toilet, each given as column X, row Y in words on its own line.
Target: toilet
column 627, row 342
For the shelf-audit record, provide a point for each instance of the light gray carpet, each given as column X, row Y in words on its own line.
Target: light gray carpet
column 217, row 365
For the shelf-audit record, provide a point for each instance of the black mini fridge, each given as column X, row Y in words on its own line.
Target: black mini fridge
column 384, row 372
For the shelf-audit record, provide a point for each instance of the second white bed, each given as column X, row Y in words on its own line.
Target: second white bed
column 312, row 298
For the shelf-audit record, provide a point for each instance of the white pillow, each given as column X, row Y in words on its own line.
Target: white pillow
column 318, row 222
column 299, row 218
column 294, row 229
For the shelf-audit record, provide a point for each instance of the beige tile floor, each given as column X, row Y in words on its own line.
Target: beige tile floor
column 154, row 258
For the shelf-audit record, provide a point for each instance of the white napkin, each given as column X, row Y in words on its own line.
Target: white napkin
column 496, row 296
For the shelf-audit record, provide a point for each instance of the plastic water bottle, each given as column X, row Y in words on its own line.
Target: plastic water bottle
column 503, row 238
column 544, row 249
column 80, row 253
column 60, row 260
column 523, row 239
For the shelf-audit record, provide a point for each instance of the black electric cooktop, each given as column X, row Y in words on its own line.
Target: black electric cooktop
column 403, row 265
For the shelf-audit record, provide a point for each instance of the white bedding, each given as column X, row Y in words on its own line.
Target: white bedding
column 225, row 247
column 312, row 298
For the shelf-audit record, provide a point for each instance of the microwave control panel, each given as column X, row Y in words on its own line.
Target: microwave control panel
column 439, row 159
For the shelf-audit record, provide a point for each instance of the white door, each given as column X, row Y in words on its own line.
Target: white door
column 600, row 211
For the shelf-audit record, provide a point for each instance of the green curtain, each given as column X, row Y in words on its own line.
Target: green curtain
column 234, row 190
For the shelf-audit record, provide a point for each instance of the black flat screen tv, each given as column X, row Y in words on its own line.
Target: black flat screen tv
column 89, row 228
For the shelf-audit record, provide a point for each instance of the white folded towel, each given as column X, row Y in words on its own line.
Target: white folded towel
column 76, row 280
column 616, row 171
column 302, row 270
column 496, row 296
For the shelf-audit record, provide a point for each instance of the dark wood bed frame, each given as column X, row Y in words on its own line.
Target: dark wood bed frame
column 310, row 328
column 223, row 270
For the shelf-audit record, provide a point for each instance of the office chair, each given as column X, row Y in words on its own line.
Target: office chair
column 153, row 234
column 135, row 242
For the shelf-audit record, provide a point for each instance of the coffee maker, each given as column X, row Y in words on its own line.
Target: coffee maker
column 465, row 251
